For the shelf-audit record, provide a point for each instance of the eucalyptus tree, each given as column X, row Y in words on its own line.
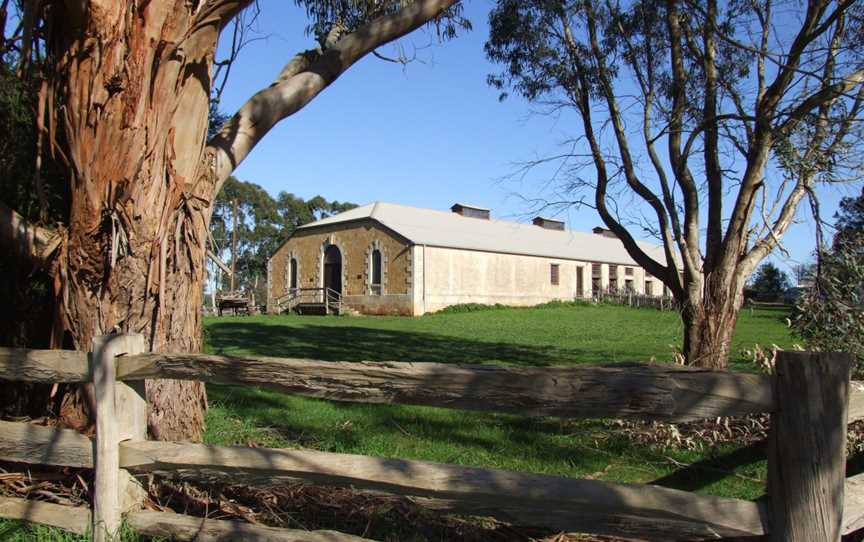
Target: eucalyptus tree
column 830, row 316
column 704, row 123
column 123, row 104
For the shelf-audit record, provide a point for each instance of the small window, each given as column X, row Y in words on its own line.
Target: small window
column 580, row 281
column 649, row 287
column 613, row 271
column 628, row 285
column 596, row 270
column 554, row 273
column 376, row 272
column 292, row 274
column 628, row 271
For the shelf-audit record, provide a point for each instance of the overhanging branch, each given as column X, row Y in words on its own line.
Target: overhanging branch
column 309, row 74
column 27, row 239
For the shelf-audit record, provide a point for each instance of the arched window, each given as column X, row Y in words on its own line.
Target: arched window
column 376, row 272
column 292, row 274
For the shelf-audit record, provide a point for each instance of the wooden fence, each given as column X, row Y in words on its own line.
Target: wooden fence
column 810, row 400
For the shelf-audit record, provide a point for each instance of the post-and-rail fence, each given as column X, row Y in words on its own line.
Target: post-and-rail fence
column 810, row 397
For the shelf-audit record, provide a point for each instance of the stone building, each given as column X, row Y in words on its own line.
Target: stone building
column 384, row 258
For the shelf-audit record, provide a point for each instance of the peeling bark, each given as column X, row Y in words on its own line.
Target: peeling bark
column 135, row 80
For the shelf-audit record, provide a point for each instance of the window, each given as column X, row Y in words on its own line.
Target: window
column 554, row 273
column 580, row 281
column 376, row 272
column 628, row 271
column 292, row 274
column 596, row 270
column 649, row 287
column 628, row 285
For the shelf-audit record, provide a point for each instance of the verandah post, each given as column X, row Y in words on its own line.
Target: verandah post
column 121, row 414
column 807, row 449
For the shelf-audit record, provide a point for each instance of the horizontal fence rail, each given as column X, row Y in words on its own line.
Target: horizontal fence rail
column 167, row 525
column 47, row 366
column 39, row 445
column 75, row 519
column 182, row 527
column 566, row 504
column 651, row 392
column 558, row 502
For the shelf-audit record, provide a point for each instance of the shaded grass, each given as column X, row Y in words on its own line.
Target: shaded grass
column 564, row 335
column 22, row 531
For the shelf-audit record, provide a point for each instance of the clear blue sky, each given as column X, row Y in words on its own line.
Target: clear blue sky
column 429, row 134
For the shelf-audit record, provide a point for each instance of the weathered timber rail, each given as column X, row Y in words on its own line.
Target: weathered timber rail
column 617, row 391
column 811, row 399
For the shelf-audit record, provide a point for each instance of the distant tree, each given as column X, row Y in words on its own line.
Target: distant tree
column 850, row 218
column 703, row 124
column 263, row 224
column 769, row 282
column 831, row 315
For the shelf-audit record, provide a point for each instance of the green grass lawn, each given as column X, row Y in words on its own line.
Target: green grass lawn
column 563, row 335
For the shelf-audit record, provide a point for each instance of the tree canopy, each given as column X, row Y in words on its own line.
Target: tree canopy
column 263, row 224
column 769, row 283
column 830, row 316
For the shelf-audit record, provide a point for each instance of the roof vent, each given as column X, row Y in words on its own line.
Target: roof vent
column 599, row 230
column 548, row 223
column 471, row 211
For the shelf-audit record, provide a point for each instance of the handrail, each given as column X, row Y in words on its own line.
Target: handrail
column 333, row 299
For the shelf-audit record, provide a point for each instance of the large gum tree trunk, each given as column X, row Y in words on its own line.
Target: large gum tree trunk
column 709, row 314
column 133, row 79
column 127, row 110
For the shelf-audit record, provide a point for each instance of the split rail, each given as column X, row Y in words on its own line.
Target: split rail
column 810, row 399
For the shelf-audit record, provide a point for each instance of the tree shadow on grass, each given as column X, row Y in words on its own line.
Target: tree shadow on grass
column 357, row 343
column 513, row 439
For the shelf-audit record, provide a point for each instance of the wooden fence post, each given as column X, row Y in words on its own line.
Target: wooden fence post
column 807, row 453
column 121, row 414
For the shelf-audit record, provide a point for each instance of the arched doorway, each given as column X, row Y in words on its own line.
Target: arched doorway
column 333, row 268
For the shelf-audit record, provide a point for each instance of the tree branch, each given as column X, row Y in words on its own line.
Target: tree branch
column 29, row 240
column 682, row 173
column 218, row 13
column 624, row 150
column 305, row 77
column 822, row 96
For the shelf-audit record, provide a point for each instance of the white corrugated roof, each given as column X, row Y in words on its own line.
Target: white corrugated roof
column 447, row 229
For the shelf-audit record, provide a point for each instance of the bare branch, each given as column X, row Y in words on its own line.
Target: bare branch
column 29, row 240
column 824, row 95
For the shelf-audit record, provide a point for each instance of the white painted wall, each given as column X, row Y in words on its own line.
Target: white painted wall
column 453, row 276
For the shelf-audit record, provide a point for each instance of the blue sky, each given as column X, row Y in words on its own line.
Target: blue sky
column 429, row 134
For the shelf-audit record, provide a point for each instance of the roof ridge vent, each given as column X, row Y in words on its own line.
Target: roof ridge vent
column 471, row 211
column 548, row 223
column 600, row 230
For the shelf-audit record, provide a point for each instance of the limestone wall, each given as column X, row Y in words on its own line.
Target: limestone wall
column 356, row 242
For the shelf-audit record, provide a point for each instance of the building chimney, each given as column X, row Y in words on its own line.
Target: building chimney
column 599, row 230
column 548, row 223
column 471, row 211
